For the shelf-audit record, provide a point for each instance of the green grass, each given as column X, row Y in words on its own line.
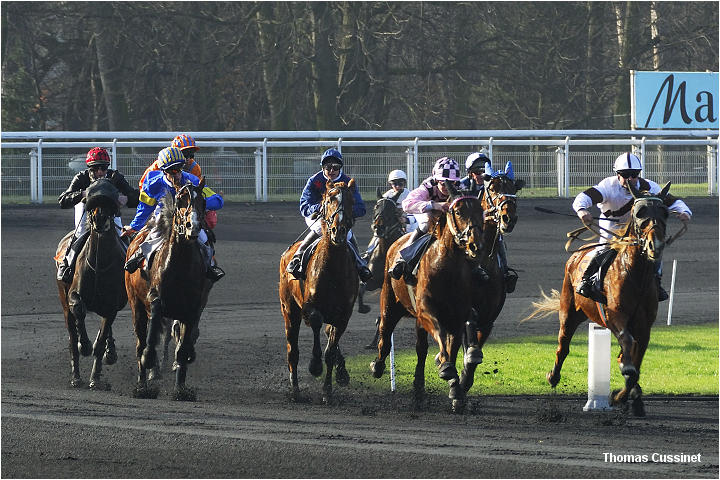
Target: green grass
column 679, row 360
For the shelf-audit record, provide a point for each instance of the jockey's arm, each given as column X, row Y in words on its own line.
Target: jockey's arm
column 310, row 199
column 676, row 206
column 583, row 201
column 213, row 201
column 144, row 209
column 74, row 193
column 359, row 205
column 417, row 201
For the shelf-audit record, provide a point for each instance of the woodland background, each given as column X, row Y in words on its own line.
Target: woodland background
column 224, row 66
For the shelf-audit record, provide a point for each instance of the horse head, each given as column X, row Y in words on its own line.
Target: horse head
column 336, row 210
column 102, row 205
column 465, row 219
column 386, row 218
column 500, row 196
column 189, row 211
column 649, row 221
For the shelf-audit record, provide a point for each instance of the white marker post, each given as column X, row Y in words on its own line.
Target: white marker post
column 598, row 368
column 392, row 362
column 672, row 292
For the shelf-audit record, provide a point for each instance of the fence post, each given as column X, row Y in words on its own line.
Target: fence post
column 259, row 153
column 711, row 169
column 409, row 159
column 560, row 160
column 416, row 167
column 39, row 173
column 113, row 160
column 33, row 175
column 566, row 168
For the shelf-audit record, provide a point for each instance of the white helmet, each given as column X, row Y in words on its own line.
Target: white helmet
column 477, row 159
column 397, row 175
column 627, row 161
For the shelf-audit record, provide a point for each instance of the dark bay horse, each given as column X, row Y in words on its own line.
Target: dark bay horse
column 328, row 293
column 499, row 202
column 631, row 292
column 387, row 226
column 174, row 287
column 97, row 285
column 442, row 298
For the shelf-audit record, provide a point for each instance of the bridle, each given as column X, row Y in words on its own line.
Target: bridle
column 181, row 224
column 461, row 237
column 497, row 201
column 329, row 219
column 382, row 231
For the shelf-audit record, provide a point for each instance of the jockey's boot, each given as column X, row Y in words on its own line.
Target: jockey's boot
column 509, row 274
column 295, row 265
column 592, row 280
column 135, row 261
column 662, row 294
column 398, row 268
column 66, row 270
column 214, row 273
column 363, row 271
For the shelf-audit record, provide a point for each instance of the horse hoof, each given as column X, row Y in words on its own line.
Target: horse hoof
column 458, row 406
column 76, row 383
column 315, row 367
column 363, row 308
column 184, row 394
column 294, row 394
column 377, row 368
column 551, row 379
column 154, row 374
column 342, row 377
column 143, row 391
column 638, row 407
column 447, row 371
column 437, row 360
column 99, row 386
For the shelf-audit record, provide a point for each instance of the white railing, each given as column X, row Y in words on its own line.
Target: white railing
column 265, row 166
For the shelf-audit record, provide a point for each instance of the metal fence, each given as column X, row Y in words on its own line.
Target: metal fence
column 272, row 170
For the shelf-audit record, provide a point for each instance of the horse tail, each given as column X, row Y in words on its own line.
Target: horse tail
column 545, row 307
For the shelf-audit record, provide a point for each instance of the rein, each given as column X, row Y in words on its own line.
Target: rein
column 461, row 238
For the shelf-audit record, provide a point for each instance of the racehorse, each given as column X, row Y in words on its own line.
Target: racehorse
column 97, row 285
column 442, row 298
column 174, row 286
column 387, row 226
column 499, row 201
column 631, row 291
column 328, row 293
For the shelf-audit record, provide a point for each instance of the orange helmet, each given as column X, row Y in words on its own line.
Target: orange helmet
column 183, row 142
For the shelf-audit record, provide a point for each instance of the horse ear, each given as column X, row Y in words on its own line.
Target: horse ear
column 379, row 192
column 451, row 188
column 519, row 184
column 509, row 171
column 488, row 171
column 351, row 183
column 663, row 193
column 329, row 184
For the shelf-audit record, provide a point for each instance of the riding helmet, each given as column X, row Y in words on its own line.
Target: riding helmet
column 476, row 159
column 184, row 142
column 97, row 156
column 446, row 168
column 170, row 157
column 627, row 161
column 331, row 155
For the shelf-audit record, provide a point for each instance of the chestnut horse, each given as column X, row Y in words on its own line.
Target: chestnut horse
column 631, row 291
column 387, row 226
column 442, row 298
column 328, row 293
column 174, row 287
column 97, row 285
column 499, row 201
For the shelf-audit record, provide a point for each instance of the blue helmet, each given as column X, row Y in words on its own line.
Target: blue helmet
column 331, row 155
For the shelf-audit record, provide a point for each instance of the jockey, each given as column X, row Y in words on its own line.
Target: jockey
column 187, row 145
column 397, row 179
column 429, row 199
column 331, row 164
column 477, row 165
column 98, row 161
column 614, row 199
column 156, row 185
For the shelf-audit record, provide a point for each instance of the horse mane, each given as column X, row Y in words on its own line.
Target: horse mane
column 164, row 220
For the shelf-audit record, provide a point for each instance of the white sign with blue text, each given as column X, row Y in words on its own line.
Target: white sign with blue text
column 675, row 99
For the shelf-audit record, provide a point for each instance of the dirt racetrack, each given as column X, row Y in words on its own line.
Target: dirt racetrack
column 243, row 425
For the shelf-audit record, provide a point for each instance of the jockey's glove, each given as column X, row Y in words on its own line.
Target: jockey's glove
column 128, row 231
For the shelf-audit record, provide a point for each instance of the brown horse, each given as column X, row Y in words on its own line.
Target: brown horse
column 499, row 201
column 442, row 298
column 387, row 226
column 97, row 285
column 174, row 286
column 631, row 291
column 328, row 293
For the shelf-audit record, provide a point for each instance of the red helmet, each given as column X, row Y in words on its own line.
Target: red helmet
column 97, row 156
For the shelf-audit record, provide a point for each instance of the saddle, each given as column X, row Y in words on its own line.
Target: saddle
column 305, row 258
column 413, row 253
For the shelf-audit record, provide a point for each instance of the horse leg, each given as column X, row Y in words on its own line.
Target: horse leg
column 149, row 355
column 77, row 307
column 457, row 392
column 156, row 373
column 316, row 367
column 110, row 355
column 184, row 351
column 331, row 352
column 421, row 349
column 342, row 377
column 140, row 321
column 99, row 350
column 373, row 342
column 291, row 315
column 388, row 321
column 627, row 368
column 570, row 319
column 75, row 381
column 362, row 308
column 634, row 392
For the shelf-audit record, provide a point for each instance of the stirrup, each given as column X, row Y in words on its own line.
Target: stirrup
column 134, row 262
column 65, row 273
column 511, row 278
column 215, row 273
column 293, row 268
column 587, row 289
column 365, row 274
column 662, row 294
